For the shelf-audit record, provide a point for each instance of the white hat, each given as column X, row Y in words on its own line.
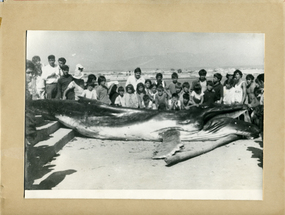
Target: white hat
column 78, row 66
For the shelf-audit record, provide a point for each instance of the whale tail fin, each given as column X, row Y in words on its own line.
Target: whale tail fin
column 170, row 145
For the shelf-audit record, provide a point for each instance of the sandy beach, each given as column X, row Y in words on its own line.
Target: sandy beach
column 106, row 165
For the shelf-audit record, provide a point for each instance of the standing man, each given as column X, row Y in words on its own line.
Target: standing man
column 240, row 88
column 61, row 62
column 63, row 83
column 250, row 86
column 51, row 76
column 134, row 80
column 218, row 88
column 202, row 80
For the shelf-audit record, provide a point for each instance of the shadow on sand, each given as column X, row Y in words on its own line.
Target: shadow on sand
column 37, row 165
column 257, row 153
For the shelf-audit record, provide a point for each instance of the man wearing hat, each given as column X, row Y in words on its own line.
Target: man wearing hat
column 229, row 76
column 51, row 76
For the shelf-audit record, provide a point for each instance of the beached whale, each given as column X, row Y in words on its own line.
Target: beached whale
column 97, row 120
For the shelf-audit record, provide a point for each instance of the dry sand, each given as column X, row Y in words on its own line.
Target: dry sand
column 109, row 164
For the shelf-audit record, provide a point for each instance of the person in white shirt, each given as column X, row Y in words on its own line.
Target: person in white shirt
column 134, row 80
column 90, row 93
column 120, row 98
column 51, row 75
column 40, row 82
column 229, row 93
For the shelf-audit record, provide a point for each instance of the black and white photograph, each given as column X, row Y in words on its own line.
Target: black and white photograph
column 144, row 115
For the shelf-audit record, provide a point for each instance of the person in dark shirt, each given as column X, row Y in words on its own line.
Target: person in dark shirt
column 218, row 88
column 209, row 94
column 63, row 82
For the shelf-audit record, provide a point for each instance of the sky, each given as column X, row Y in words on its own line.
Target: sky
column 122, row 50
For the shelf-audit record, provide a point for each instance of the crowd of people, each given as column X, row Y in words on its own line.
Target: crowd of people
column 53, row 81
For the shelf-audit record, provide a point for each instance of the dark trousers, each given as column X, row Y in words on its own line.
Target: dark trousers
column 51, row 90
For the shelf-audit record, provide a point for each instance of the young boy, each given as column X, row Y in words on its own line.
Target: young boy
column 174, row 103
column 229, row 93
column 185, row 89
column 159, row 79
column 250, row 86
column 147, row 103
column 172, row 85
column 119, row 100
column 90, row 93
column 185, row 104
column 161, row 99
column 209, row 94
column 202, row 80
column 218, row 88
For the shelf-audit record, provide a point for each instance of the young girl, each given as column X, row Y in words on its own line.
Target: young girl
column 130, row 98
column 113, row 93
column 152, row 92
column 102, row 91
column 197, row 96
column 140, row 93
column 161, row 99
column 229, row 93
column 120, row 98
column 147, row 86
column 90, row 93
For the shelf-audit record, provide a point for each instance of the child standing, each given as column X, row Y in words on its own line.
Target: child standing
column 240, row 88
column 197, row 96
column 209, row 94
column 90, row 93
column 172, row 85
column 174, row 103
column 102, row 91
column 140, row 93
column 229, row 93
column 159, row 78
column 229, row 76
column 161, row 99
column 130, row 98
column 218, row 88
column 120, row 99
column 147, row 103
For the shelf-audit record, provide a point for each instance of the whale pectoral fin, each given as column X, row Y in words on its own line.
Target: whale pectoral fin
column 170, row 144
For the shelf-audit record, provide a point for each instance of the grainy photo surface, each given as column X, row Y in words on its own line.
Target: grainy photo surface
column 144, row 115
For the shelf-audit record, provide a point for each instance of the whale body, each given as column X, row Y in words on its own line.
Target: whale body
column 97, row 120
